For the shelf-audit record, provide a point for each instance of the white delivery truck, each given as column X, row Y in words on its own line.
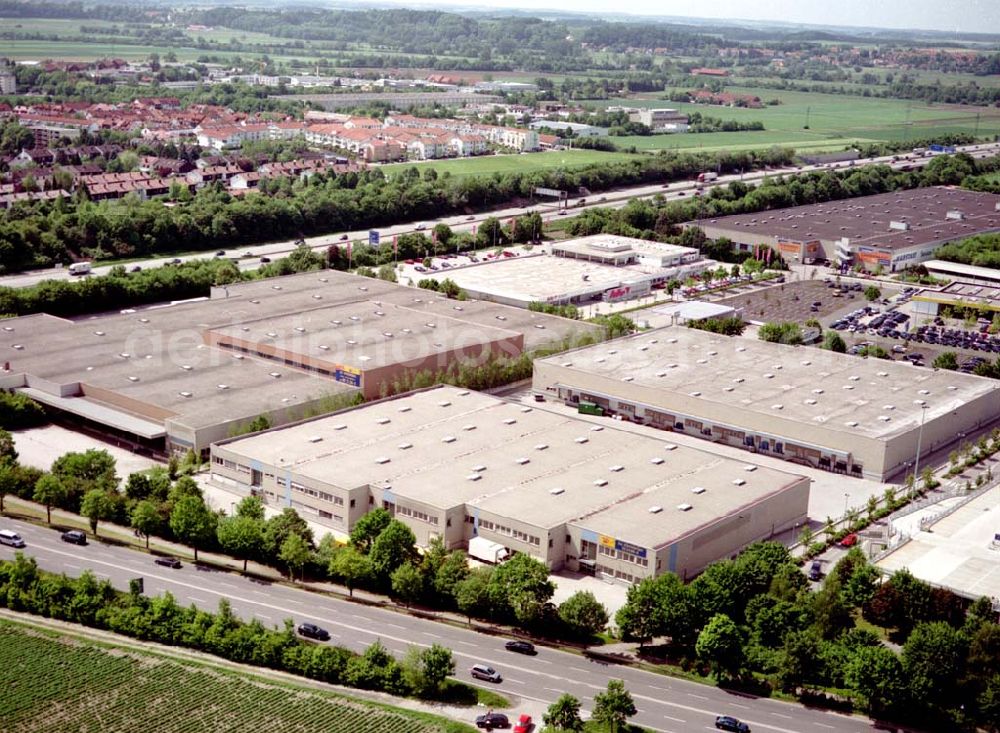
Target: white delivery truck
column 487, row 551
column 79, row 268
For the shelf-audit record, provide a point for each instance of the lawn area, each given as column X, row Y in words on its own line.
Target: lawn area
column 489, row 164
column 833, row 119
column 59, row 683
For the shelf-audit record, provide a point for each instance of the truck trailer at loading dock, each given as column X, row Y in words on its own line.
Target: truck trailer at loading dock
column 487, row 551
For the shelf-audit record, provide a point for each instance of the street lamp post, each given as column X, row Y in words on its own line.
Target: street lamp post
column 920, row 436
column 847, row 497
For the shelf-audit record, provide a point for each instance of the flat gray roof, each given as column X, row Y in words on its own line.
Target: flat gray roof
column 865, row 220
column 157, row 359
column 445, row 447
column 876, row 398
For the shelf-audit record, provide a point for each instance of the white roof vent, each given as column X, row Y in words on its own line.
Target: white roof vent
column 339, row 426
column 405, row 408
column 749, row 468
column 696, row 394
column 810, row 402
column 768, row 375
column 596, row 428
column 806, row 362
column 818, row 390
column 382, row 420
column 276, row 375
column 925, row 391
column 883, row 374
column 703, row 361
column 684, row 507
column 300, row 329
column 854, row 377
column 133, row 379
column 314, row 438
column 777, row 407
column 238, row 357
column 739, row 380
column 98, row 333
column 184, row 394
column 448, row 439
column 468, row 428
column 616, row 469
column 851, row 423
column 728, row 389
column 509, row 421
column 382, row 460
column 628, row 379
column 473, row 477
column 739, row 481
column 657, row 460
column 324, row 347
column 541, row 446
column 223, row 386
column 556, row 491
column 479, row 469
column 670, row 446
column 582, row 439
column 601, row 482
column 848, row 386
column 661, row 374
column 884, row 418
column 920, row 402
column 888, row 407
column 525, row 409
column 405, row 446
column 655, row 509
column 444, row 403
column 522, row 460
column 186, row 367
column 698, row 490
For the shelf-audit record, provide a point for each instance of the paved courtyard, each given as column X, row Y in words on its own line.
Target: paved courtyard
column 956, row 552
column 39, row 447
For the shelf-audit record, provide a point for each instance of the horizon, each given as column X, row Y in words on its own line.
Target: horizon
column 955, row 16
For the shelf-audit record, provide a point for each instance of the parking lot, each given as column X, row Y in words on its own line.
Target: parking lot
column 794, row 301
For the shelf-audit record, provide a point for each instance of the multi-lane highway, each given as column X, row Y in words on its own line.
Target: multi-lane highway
column 664, row 703
column 249, row 258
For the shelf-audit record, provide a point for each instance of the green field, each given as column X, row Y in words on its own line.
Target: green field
column 489, row 164
column 58, row 683
column 834, row 120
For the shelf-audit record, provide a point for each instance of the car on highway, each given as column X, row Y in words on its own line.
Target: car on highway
column 174, row 261
column 10, row 538
column 74, row 536
column 420, row 227
column 248, row 253
column 524, row 724
column 312, row 631
column 344, row 237
column 519, row 645
column 470, row 218
column 485, row 672
column 136, row 268
column 489, row 721
column 221, row 253
column 168, row 562
column 728, row 722
column 264, row 260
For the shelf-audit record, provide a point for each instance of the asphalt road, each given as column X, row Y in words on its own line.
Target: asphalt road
column 249, row 257
column 664, row 703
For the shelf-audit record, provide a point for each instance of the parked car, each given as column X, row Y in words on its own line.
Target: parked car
column 728, row 722
column 74, row 536
column 518, row 645
column 849, row 540
column 485, row 672
column 815, row 570
column 168, row 562
column 524, row 724
column 312, row 631
column 489, row 721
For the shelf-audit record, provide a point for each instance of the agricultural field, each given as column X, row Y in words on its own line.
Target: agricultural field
column 832, row 119
column 58, row 683
column 527, row 162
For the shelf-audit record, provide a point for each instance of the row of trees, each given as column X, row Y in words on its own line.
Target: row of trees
column 754, row 620
column 382, row 555
column 95, row 603
column 42, row 233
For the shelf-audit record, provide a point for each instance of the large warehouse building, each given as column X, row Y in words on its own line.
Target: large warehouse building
column 599, row 267
column 861, row 417
column 179, row 377
column 889, row 230
column 456, row 464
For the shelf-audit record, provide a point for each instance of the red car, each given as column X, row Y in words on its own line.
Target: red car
column 524, row 724
column 849, row 540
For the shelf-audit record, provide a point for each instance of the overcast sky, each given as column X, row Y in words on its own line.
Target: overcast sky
column 981, row 16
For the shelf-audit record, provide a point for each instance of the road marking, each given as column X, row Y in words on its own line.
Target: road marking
column 676, row 720
column 433, row 636
column 824, row 725
column 700, row 697
column 780, row 715
column 71, row 565
column 392, row 626
column 198, row 600
column 262, row 615
column 737, row 705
